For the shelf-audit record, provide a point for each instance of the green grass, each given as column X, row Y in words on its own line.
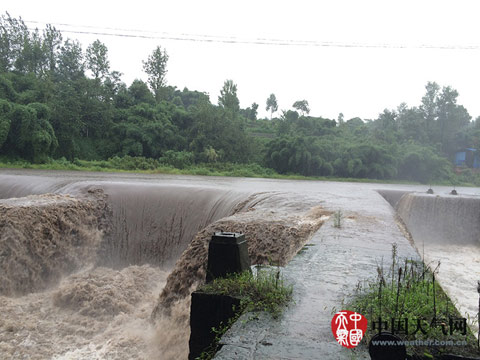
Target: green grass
column 215, row 169
column 408, row 290
column 265, row 291
column 151, row 166
column 337, row 219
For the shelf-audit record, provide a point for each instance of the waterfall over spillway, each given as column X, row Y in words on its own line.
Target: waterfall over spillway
column 149, row 223
column 446, row 231
column 433, row 219
column 87, row 260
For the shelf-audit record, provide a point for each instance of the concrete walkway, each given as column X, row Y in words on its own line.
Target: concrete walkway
column 324, row 274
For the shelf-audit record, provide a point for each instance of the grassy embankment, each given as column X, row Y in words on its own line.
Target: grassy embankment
column 408, row 293
column 151, row 166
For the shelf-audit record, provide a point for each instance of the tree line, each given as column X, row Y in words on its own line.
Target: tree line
column 58, row 100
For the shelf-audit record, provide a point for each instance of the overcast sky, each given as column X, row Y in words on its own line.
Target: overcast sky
column 384, row 52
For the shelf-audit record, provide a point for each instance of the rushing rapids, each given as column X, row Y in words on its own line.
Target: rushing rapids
column 83, row 262
column 97, row 266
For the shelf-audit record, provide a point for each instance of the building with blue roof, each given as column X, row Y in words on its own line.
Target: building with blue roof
column 468, row 158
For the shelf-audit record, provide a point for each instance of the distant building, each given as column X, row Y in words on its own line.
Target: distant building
column 468, row 158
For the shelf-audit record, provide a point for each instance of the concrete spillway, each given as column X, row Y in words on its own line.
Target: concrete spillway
column 328, row 269
column 140, row 224
column 150, row 223
column 89, row 259
column 92, row 261
column 79, row 256
column 452, row 220
column 446, row 231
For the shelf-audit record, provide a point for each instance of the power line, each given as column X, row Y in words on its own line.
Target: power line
column 142, row 34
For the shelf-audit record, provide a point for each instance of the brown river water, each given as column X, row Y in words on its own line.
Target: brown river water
column 101, row 266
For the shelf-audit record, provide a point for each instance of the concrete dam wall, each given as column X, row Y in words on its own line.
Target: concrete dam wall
column 147, row 223
column 96, row 256
column 445, row 220
column 446, row 231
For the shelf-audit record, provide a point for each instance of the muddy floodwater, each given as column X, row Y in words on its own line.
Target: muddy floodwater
column 101, row 265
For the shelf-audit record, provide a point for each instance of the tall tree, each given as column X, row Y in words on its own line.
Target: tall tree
column 252, row 115
column 302, row 105
column 13, row 35
column 272, row 104
column 410, row 123
column 70, row 61
column 97, row 60
column 228, row 98
column 429, row 108
column 156, row 69
column 52, row 40
column 451, row 118
column 32, row 59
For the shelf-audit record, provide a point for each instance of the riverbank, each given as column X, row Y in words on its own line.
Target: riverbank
column 151, row 166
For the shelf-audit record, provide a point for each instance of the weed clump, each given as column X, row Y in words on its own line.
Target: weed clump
column 264, row 290
column 337, row 219
column 408, row 301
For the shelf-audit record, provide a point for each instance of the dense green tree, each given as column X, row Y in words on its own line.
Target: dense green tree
column 250, row 113
column 5, row 120
column 43, row 140
column 31, row 135
column 451, row 118
column 70, row 61
column 191, row 98
column 112, row 85
column 411, row 124
column 7, row 91
column 212, row 129
column 253, row 111
column 139, row 93
column 421, row 163
column 58, row 101
column 301, row 155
